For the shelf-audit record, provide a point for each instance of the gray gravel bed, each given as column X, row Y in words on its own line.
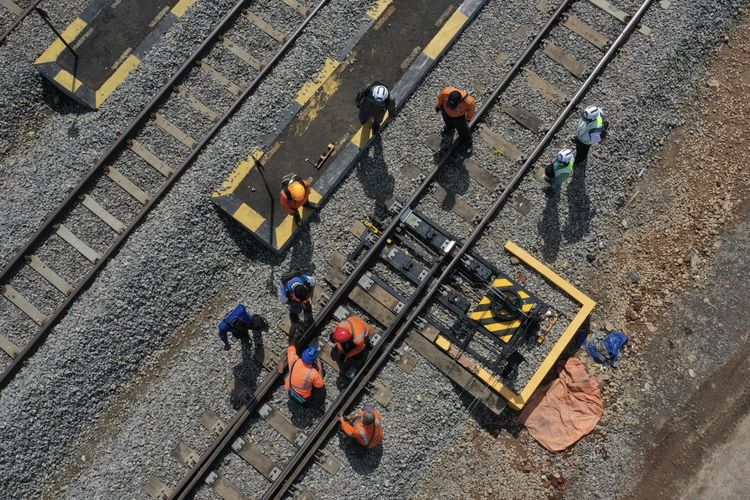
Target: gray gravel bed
column 205, row 256
column 48, row 142
column 423, row 401
column 137, row 170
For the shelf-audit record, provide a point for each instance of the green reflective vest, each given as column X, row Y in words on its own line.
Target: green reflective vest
column 590, row 132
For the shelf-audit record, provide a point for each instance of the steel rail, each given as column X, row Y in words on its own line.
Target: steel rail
column 57, row 314
column 347, row 397
column 18, row 20
column 193, row 476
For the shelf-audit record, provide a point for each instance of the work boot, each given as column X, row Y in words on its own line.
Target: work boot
column 297, row 218
column 469, row 148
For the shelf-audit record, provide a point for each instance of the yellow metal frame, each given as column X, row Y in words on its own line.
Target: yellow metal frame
column 518, row 400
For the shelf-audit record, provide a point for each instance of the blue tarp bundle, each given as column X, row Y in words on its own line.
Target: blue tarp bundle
column 607, row 350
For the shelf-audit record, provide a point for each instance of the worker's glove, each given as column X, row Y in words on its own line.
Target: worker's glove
column 227, row 347
column 437, row 109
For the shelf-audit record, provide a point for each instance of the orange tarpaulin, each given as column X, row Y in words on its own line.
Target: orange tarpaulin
column 566, row 410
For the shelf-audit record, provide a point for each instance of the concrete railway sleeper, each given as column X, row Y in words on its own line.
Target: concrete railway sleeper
column 105, row 171
column 441, row 261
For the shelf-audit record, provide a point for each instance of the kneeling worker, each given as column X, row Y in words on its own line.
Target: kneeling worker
column 295, row 192
column 352, row 338
column 305, row 374
column 238, row 323
column 373, row 101
column 365, row 427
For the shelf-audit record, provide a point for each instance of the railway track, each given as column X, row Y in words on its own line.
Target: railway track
column 444, row 260
column 18, row 12
column 131, row 177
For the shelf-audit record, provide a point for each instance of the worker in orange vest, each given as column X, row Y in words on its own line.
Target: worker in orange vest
column 365, row 427
column 295, row 192
column 304, row 376
column 457, row 108
column 352, row 338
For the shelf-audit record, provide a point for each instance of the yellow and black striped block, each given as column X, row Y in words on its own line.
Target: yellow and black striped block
column 492, row 313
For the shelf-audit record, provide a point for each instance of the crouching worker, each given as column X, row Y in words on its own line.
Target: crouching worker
column 304, row 381
column 238, row 323
column 365, row 427
column 352, row 338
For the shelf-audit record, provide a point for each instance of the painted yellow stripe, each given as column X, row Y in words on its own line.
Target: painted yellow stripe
column 235, row 178
column 182, row 6
column 377, row 10
column 446, row 35
column 248, row 217
column 68, row 81
column 485, row 300
column 123, row 70
column 312, row 86
column 527, row 307
column 284, row 231
column 364, row 134
column 523, row 294
column 69, row 34
column 443, row 343
column 499, row 327
column 315, row 196
column 500, row 282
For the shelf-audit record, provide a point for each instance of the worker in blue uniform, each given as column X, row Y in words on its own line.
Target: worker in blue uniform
column 296, row 292
column 238, row 322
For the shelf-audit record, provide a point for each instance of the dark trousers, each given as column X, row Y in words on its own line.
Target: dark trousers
column 296, row 308
column 582, row 152
column 376, row 113
column 457, row 123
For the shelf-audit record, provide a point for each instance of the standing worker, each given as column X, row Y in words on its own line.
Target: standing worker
column 373, row 101
column 560, row 169
column 297, row 292
column 352, row 338
column 457, row 108
column 305, row 374
column 295, row 192
column 238, row 323
column 592, row 129
column 365, row 427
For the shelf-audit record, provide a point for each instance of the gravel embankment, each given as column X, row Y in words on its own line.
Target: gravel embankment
column 159, row 309
column 660, row 76
column 47, row 141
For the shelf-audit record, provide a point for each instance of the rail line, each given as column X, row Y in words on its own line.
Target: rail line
column 20, row 14
column 105, row 171
column 443, row 262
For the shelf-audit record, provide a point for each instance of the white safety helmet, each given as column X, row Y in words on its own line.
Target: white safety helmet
column 592, row 113
column 564, row 156
column 380, row 93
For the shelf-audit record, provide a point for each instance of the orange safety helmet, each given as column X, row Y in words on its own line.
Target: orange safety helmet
column 341, row 335
column 297, row 190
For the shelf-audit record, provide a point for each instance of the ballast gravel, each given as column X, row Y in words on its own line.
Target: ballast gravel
column 127, row 373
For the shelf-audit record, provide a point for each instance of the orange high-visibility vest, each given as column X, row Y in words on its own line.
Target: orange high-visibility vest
column 301, row 377
column 359, row 330
column 466, row 108
column 290, row 204
column 367, row 436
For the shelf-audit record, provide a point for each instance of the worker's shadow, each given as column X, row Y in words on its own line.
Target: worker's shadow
column 454, row 180
column 310, row 413
column 302, row 252
column 362, row 460
column 372, row 172
column 250, row 368
column 549, row 228
column 579, row 207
